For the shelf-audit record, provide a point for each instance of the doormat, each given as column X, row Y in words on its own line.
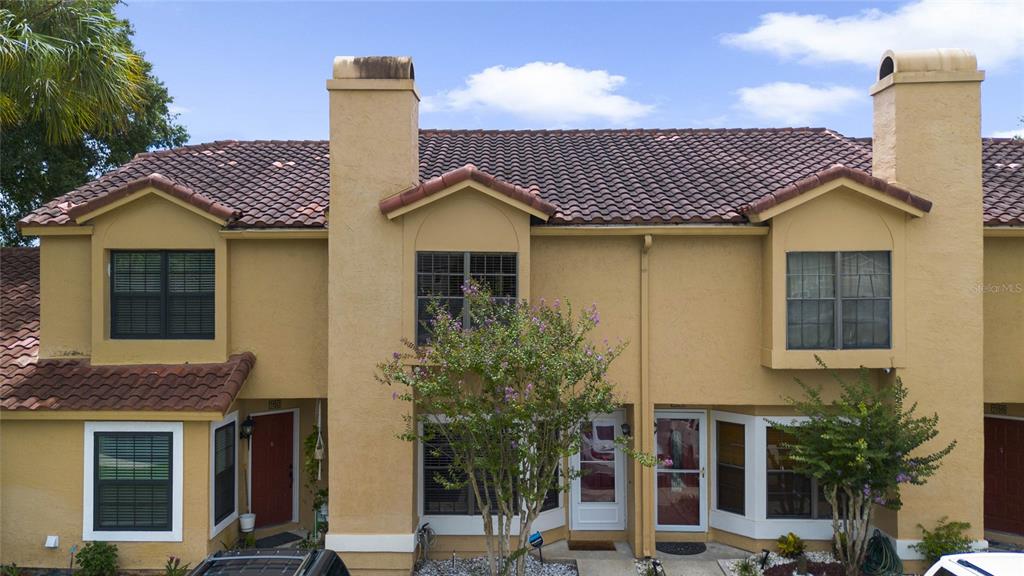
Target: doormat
column 681, row 548
column 278, row 540
column 591, row 545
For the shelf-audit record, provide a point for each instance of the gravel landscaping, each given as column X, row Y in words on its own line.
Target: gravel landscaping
column 478, row 567
column 818, row 564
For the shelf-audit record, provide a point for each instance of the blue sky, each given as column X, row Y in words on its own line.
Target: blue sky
column 245, row 70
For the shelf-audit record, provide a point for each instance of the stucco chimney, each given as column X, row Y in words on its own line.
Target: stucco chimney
column 374, row 152
column 927, row 138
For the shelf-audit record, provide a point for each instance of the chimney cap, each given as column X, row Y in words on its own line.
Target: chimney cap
column 374, row 67
column 937, row 60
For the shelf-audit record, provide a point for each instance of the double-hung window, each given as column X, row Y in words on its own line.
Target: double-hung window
column 787, row 493
column 223, row 472
column 731, row 450
column 162, row 294
column 838, row 300
column 439, row 499
column 133, row 481
column 441, row 275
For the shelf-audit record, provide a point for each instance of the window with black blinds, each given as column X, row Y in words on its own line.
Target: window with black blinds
column 132, row 481
column 223, row 472
column 162, row 294
column 838, row 300
column 440, row 500
column 441, row 275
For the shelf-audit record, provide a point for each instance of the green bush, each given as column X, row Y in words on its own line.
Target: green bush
column 745, row 567
column 947, row 538
column 791, row 546
column 174, row 567
column 10, row 569
column 97, row 559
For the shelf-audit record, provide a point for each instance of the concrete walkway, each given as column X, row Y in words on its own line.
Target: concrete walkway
column 621, row 561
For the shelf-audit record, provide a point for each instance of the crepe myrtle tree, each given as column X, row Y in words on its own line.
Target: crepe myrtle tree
column 508, row 396
column 861, row 447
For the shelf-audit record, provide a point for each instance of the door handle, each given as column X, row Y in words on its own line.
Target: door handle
column 702, row 472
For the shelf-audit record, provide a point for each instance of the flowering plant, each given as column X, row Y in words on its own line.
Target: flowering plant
column 861, row 447
column 508, row 394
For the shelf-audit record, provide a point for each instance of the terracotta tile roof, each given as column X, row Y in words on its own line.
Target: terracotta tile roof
column 27, row 383
column 529, row 197
column 271, row 184
column 591, row 176
column 161, row 183
column 834, row 173
column 1003, row 182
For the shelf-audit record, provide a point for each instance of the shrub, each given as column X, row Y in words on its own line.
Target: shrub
column 10, row 569
column 745, row 567
column 97, row 559
column 174, row 567
column 947, row 538
column 791, row 546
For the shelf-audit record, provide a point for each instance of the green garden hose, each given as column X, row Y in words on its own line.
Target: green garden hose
column 881, row 558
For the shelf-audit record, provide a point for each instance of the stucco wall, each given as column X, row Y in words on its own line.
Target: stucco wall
column 65, row 297
column 1003, row 294
column 42, row 495
column 154, row 223
column 278, row 308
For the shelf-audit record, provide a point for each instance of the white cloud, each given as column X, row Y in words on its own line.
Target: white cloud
column 546, row 91
column 793, row 103
column 1018, row 133
column 994, row 30
column 175, row 109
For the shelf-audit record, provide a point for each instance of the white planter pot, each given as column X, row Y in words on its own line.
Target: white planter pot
column 247, row 522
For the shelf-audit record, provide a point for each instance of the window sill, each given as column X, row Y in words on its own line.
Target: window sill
column 782, row 359
column 132, row 536
column 769, row 529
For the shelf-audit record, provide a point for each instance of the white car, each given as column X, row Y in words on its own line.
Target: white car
column 979, row 564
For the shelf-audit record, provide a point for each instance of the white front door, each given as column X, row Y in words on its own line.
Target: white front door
column 680, row 481
column 598, row 496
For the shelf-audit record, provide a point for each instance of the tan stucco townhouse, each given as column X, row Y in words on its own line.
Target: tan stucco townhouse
column 197, row 292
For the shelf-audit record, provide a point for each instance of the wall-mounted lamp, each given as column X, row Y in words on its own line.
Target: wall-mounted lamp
column 246, row 430
column 627, row 430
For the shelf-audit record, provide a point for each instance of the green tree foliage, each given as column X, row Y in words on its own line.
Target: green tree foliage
column 509, row 396
column 76, row 101
column 862, row 447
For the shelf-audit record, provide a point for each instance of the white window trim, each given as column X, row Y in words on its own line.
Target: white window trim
column 215, row 527
column 456, row 525
column 177, row 475
column 755, row 522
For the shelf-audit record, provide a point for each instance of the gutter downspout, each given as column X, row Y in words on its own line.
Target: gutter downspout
column 645, row 422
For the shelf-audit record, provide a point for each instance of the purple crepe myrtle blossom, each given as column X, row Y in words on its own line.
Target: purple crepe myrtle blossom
column 510, row 394
column 470, row 289
column 667, row 462
column 880, row 500
column 394, row 395
column 556, row 304
column 902, row 478
column 396, row 355
column 529, row 387
column 867, row 490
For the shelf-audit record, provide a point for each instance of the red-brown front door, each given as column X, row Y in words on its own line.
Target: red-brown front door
column 1004, row 475
column 272, row 468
